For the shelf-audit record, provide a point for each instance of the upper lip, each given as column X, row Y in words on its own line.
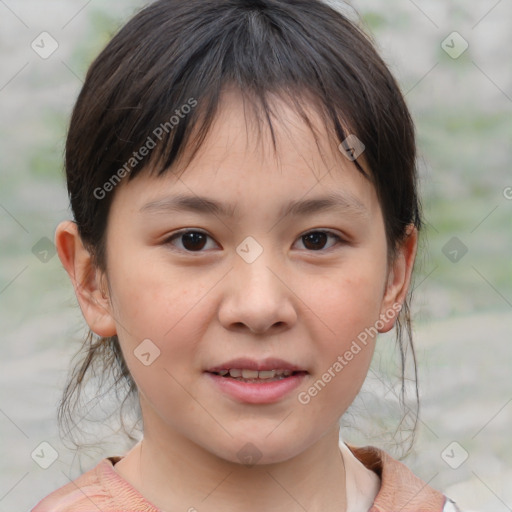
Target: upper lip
column 244, row 363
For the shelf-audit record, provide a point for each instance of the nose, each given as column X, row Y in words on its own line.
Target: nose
column 257, row 298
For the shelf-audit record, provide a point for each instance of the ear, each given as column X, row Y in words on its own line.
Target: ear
column 89, row 283
column 399, row 278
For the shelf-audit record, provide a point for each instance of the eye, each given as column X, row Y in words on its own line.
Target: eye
column 195, row 240
column 191, row 240
column 316, row 240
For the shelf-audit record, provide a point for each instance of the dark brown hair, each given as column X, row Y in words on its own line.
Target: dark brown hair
column 175, row 53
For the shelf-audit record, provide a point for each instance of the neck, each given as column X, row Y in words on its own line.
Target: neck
column 175, row 474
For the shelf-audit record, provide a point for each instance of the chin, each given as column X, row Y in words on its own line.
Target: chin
column 258, row 450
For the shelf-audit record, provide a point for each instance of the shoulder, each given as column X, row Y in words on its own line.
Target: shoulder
column 73, row 495
column 100, row 488
column 400, row 489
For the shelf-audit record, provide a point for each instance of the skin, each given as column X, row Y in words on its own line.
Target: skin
column 302, row 305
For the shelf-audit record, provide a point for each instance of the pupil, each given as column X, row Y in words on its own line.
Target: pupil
column 192, row 241
column 196, row 241
column 316, row 238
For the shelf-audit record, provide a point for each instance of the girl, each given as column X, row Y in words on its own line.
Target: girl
column 242, row 178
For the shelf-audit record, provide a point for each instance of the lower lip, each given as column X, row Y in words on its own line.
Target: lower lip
column 256, row 392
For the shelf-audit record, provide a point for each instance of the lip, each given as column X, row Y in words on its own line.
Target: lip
column 245, row 363
column 256, row 392
column 263, row 392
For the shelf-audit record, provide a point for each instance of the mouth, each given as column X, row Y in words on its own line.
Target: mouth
column 255, row 376
column 257, row 372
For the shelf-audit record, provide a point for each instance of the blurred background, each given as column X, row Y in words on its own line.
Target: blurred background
column 452, row 60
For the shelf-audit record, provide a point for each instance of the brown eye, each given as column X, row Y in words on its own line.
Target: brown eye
column 191, row 241
column 316, row 240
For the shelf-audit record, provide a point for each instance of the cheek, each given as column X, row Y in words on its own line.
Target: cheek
column 168, row 311
column 151, row 297
column 348, row 301
column 348, row 305
column 168, row 307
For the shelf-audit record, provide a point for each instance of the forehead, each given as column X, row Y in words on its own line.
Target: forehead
column 286, row 131
column 238, row 164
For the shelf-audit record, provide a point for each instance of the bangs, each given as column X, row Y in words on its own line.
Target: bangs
column 150, row 99
column 155, row 90
column 256, row 51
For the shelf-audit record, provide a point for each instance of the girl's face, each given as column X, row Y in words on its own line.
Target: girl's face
column 287, row 271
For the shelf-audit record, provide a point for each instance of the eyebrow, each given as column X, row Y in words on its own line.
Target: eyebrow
column 344, row 202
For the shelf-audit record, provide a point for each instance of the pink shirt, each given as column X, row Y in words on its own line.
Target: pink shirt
column 102, row 488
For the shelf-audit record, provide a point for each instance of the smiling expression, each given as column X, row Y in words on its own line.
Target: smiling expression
column 245, row 262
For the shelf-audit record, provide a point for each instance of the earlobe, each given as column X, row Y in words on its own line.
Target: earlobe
column 399, row 279
column 87, row 280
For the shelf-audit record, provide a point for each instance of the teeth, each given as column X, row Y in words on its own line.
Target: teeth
column 255, row 374
column 250, row 374
column 267, row 374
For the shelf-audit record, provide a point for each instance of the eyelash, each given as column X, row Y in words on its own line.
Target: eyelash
column 169, row 240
